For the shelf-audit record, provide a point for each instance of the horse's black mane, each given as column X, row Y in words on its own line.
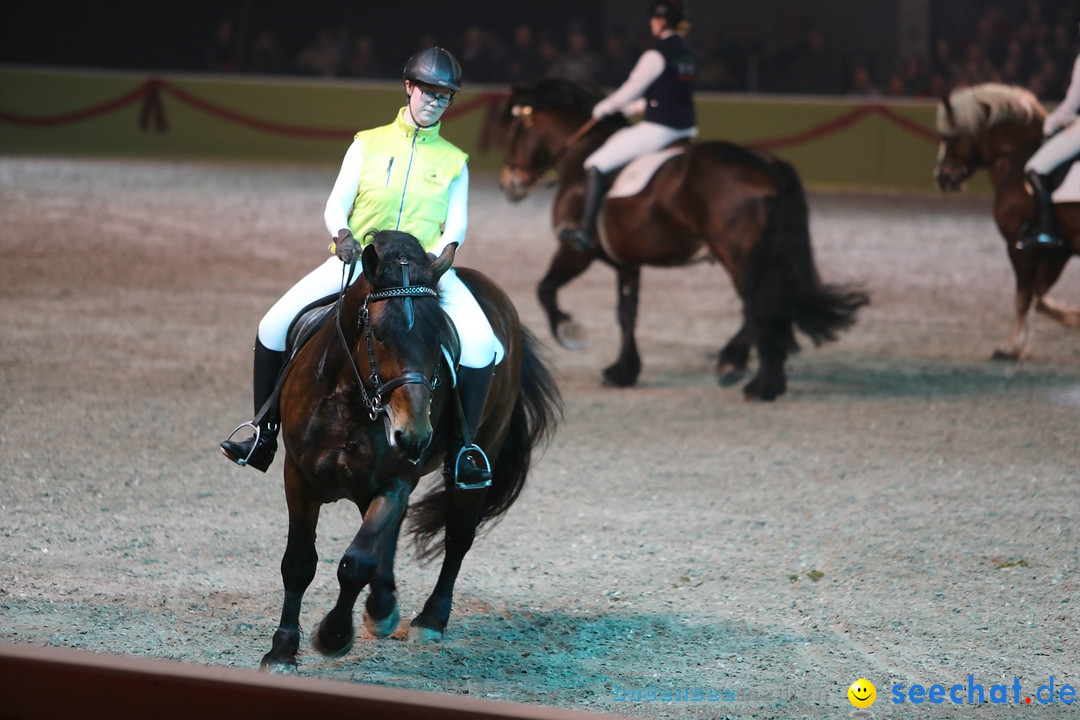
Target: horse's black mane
column 561, row 95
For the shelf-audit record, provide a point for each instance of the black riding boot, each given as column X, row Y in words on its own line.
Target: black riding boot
column 1043, row 234
column 258, row 450
column 461, row 459
column 580, row 238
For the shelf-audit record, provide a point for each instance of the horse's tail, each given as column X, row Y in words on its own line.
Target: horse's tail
column 536, row 412
column 783, row 278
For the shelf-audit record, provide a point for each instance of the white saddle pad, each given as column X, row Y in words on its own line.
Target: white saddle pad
column 633, row 178
column 1069, row 189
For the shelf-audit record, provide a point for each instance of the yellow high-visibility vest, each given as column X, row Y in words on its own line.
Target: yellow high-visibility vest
column 405, row 180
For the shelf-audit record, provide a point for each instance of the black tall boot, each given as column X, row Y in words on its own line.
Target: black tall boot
column 258, row 450
column 461, row 458
column 580, row 238
column 1043, row 234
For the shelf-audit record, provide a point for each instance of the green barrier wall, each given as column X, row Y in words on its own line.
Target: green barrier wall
column 834, row 144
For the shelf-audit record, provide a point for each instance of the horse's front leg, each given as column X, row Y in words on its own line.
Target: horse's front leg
column 463, row 516
column 297, row 569
column 624, row 371
column 381, row 614
column 335, row 634
column 565, row 266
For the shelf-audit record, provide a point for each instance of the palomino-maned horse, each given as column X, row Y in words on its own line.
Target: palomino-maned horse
column 715, row 200
column 998, row 127
column 367, row 409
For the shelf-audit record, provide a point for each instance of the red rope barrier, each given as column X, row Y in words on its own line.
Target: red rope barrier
column 152, row 114
column 842, row 122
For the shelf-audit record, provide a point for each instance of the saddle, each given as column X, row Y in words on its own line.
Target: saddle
column 633, row 178
column 1064, row 182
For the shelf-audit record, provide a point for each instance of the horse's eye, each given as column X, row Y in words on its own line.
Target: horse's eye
column 378, row 336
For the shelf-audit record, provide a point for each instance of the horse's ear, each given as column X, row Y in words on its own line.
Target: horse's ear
column 370, row 261
column 946, row 102
column 441, row 264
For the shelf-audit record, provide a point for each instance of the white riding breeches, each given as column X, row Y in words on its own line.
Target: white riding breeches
column 479, row 346
column 1056, row 150
column 634, row 141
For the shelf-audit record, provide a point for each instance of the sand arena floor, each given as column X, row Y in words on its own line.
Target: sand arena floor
column 907, row 513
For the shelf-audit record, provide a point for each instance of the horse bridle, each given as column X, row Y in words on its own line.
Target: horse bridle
column 523, row 114
column 374, row 401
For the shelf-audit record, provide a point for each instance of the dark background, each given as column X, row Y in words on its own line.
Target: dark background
column 174, row 34
column 752, row 46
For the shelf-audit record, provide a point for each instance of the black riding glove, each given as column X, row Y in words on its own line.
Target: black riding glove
column 345, row 247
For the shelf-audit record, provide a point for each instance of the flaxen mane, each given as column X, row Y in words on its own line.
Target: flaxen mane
column 983, row 106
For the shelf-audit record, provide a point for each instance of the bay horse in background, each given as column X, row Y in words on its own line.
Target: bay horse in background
column 367, row 407
column 999, row 127
column 716, row 200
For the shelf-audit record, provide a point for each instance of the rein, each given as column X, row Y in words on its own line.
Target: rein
column 374, row 402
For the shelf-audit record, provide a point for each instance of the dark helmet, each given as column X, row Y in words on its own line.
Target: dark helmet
column 434, row 66
column 673, row 11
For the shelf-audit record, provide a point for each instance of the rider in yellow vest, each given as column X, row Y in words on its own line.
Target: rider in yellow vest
column 402, row 176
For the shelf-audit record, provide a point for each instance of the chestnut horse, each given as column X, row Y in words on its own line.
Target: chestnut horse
column 367, row 409
column 717, row 201
column 998, row 127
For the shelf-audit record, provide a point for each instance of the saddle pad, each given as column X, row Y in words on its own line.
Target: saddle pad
column 1069, row 189
column 633, row 178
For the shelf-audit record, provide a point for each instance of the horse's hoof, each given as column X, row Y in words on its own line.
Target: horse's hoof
column 274, row 668
column 1006, row 355
column 419, row 634
column 757, row 390
column 333, row 647
column 571, row 335
column 614, row 379
column 728, row 375
column 386, row 626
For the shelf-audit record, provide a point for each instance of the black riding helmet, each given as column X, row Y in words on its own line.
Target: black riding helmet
column 673, row 11
column 434, row 66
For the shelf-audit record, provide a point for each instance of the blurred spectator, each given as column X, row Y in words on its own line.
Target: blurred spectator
column 523, row 64
column 943, row 62
column 862, row 82
column 715, row 71
column 476, row 56
column 815, row 68
column 914, row 79
column 266, row 57
column 362, row 60
column 223, row 51
column 321, row 57
column 615, row 62
column 576, row 62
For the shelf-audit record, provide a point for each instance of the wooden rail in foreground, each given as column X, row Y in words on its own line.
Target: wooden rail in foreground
column 40, row 682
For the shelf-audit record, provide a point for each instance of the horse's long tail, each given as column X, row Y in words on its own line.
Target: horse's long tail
column 784, row 279
column 533, row 419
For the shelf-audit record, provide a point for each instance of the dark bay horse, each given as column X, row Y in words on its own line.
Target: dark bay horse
column 718, row 201
column 367, row 409
column 998, row 127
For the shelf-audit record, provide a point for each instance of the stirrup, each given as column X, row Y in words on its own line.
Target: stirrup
column 242, row 462
column 1040, row 239
column 487, row 468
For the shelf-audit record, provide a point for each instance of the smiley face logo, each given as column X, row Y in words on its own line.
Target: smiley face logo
column 862, row 693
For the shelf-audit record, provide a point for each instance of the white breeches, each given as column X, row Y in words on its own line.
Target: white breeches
column 631, row 142
column 1056, row 150
column 479, row 346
